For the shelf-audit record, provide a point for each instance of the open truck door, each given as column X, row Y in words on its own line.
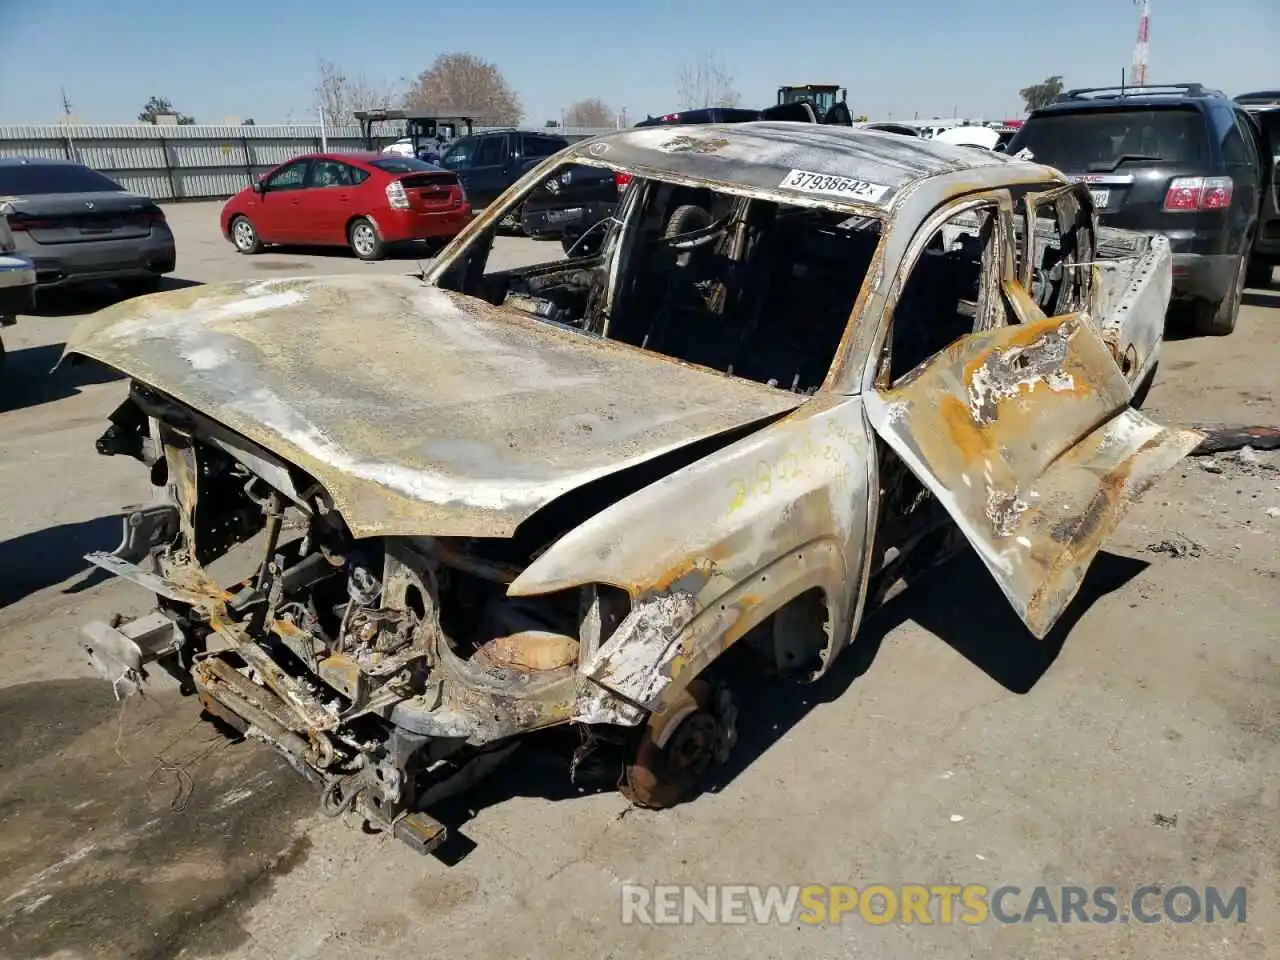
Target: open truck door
column 1026, row 435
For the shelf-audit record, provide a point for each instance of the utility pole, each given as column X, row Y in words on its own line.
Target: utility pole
column 1139, row 78
column 72, row 153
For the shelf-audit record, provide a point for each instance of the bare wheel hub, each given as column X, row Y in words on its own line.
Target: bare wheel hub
column 677, row 746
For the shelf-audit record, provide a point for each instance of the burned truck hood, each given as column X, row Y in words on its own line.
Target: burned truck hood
column 421, row 411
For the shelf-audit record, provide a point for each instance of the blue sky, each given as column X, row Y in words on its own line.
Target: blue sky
column 235, row 58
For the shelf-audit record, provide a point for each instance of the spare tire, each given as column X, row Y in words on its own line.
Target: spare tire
column 685, row 219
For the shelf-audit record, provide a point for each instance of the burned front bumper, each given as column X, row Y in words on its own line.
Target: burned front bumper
column 393, row 736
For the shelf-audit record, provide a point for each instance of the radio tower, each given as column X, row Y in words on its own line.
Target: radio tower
column 1139, row 78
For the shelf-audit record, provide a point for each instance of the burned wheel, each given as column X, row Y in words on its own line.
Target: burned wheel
column 677, row 747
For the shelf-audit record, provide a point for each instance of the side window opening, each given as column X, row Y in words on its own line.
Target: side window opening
column 951, row 290
column 489, row 152
column 747, row 287
column 1061, row 249
column 329, row 173
column 753, row 288
column 290, row 177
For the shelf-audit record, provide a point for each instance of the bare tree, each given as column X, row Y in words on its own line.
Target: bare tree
column 593, row 112
column 339, row 94
column 462, row 84
column 706, row 82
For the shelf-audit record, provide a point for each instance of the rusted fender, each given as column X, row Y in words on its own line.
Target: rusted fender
column 695, row 550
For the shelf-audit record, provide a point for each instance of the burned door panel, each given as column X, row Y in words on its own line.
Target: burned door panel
column 1120, row 279
column 1025, row 435
column 1133, row 282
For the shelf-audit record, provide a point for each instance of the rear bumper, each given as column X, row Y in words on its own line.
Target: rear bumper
column 398, row 226
column 68, row 264
column 570, row 220
column 17, row 286
column 1203, row 276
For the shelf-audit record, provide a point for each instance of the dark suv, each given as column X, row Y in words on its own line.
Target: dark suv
column 1177, row 159
column 488, row 163
column 1264, row 107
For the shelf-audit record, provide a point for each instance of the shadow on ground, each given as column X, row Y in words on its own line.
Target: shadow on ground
column 29, row 379
column 40, row 559
column 1259, row 298
column 68, row 302
column 958, row 602
column 131, row 830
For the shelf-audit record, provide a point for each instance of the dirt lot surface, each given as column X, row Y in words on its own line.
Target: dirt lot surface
column 1139, row 745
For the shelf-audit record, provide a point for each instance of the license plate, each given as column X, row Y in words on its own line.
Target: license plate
column 555, row 216
column 1100, row 198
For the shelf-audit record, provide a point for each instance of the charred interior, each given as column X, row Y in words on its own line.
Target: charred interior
column 750, row 287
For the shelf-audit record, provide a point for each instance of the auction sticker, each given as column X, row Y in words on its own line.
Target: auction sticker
column 806, row 181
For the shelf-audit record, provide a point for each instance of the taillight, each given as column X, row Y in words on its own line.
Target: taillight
column 396, row 196
column 30, row 223
column 1198, row 193
column 147, row 218
column 621, row 178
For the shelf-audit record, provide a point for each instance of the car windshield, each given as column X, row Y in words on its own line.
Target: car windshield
column 1080, row 140
column 31, row 178
column 403, row 165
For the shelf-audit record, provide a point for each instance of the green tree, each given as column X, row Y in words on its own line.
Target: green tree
column 1043, row 93
column 160, row 107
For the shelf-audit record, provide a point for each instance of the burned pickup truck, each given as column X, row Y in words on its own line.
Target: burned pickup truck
column 802, row 362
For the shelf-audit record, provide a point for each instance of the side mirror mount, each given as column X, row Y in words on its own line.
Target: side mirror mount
column 258, row 186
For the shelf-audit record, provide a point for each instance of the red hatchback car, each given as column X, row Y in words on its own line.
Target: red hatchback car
column 361, row 200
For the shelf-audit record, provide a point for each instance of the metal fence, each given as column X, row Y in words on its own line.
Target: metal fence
column 191, row 162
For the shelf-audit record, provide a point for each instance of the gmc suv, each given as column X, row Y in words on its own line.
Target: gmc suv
column 1176, row 159
column 1264, row 107
column 487, row 163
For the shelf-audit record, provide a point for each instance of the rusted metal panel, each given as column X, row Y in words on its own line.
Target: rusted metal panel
column 421, row 411
column 1025, row 435
column 712, row 550
column 1131, row 300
